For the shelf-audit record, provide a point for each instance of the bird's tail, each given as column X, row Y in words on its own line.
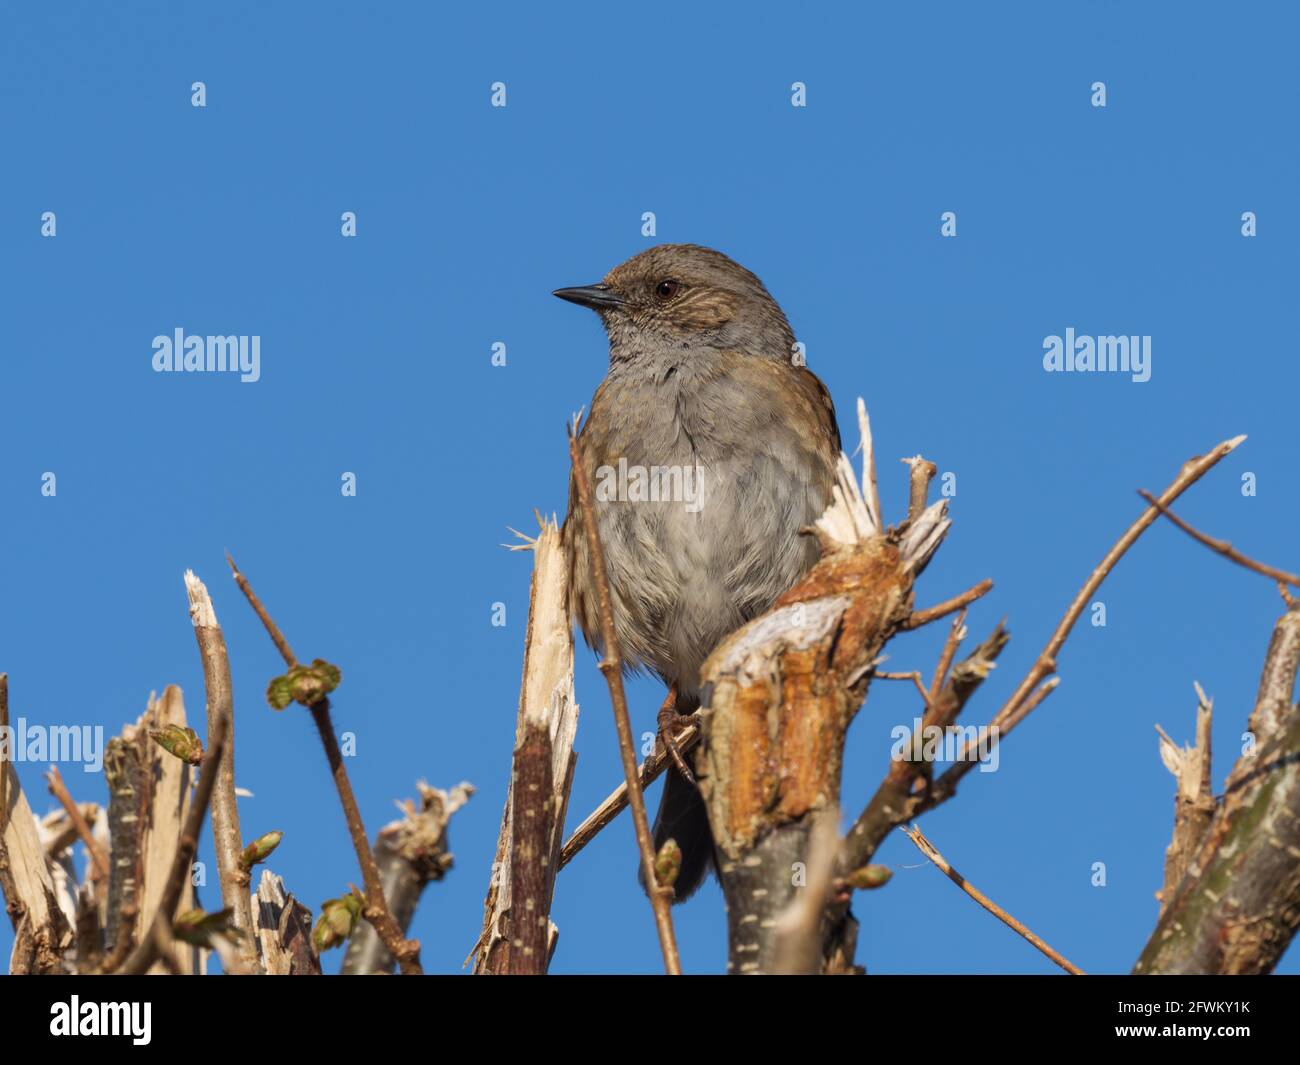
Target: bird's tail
column 683, row 817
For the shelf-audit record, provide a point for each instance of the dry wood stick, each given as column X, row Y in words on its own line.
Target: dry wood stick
column 611, row 665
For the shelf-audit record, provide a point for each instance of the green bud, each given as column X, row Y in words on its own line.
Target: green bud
column 304, row 684
column 338, row 917
column 279, row 693
column 197, row 927
column 180, row 741
column 869, row 876
column 668, row 863
column 260, row 849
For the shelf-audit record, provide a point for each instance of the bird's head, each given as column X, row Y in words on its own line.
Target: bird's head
column 683, row 296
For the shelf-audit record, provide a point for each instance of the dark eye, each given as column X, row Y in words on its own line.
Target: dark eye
column 667, row 289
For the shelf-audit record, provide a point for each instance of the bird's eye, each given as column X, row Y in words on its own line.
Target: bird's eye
column 667, row 289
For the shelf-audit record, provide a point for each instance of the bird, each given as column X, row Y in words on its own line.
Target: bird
column 706, row 382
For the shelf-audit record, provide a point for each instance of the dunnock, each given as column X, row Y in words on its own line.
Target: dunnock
column 709, row 446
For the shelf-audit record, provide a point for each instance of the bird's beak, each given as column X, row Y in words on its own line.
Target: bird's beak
column 597, row 297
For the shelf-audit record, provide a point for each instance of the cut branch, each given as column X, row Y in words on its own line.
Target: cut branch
column 1194, row 804
column 411, row 853
column 1237, row 907
column 148, row 950
column 516, row 936
column 781, row 692
column 920, row 473
column 41, row 931
column 169, row 803
column 284, row 930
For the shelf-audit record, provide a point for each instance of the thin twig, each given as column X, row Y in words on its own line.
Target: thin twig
column 616, row 802
column 612, row 666
column 98, row 859
column 187, row 844
column 1193, row 470
column 920, row 472
column 405, row 951
column 277, row 637
column 956, row 634
column 893, row 803
column 948, row 606
column 226, row 837
column 914, row 677
column 927, row 848
column 1222, row 546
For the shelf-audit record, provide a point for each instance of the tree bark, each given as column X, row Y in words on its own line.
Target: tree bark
column 1238, row 905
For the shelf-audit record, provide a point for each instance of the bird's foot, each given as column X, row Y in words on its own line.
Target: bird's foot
column 670, row 723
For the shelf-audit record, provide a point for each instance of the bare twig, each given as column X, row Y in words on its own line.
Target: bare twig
column 1222, row 546
column 225, row 813
column 956, row 633
column 405, row 951
column 1193, row 470
column 920, row 473
column 928, row 849
column 898, row 798
column 376, row 911
column 896, row 801
column 914, row 676
column 98, row 859
column 648, row 772
column 612, row 666
column 273, row 630
column 948, row 606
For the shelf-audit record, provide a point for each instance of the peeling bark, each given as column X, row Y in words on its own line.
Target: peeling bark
column 778, row 697
column 1238, row 905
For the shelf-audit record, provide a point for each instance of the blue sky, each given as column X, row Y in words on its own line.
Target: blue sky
column 376, row 360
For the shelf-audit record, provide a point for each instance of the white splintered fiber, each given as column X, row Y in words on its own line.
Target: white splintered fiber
column 924, row 535
column 870, row 490
column 202, row 614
